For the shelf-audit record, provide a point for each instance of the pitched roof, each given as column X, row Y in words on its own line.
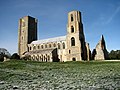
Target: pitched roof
column 55, row 39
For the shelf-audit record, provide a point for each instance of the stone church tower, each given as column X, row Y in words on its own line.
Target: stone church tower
column 71, row 47
column 75, row 40
column 27, row 32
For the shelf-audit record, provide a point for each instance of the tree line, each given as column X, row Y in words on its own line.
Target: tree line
column 114, row 54
column 14, row 56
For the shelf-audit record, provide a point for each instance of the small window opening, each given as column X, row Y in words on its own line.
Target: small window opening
column 74, row 59
column 71, row 17
column 72, row 29
column 69, row 51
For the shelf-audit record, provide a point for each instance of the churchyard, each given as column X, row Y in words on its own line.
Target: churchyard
column 31, row 75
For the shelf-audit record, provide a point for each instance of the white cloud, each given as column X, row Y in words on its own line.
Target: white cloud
column 113, row 15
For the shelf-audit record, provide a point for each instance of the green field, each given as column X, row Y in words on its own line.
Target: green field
column 29, row 75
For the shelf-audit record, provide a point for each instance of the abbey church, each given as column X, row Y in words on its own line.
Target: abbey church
column 71, row 47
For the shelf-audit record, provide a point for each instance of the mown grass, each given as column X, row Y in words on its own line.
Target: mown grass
column 31, row 75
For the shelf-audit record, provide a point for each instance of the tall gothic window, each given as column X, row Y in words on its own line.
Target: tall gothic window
column 72, row 41
column 71, row 17
column 63, row 45
column 72, row 29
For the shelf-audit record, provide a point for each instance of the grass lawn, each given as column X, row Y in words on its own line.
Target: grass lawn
column 29, row 75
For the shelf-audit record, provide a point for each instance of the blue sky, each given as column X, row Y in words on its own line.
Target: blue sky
column 98, row 16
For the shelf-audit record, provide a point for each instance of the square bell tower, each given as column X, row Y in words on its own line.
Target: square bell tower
column 76, row 49
column 27, row 32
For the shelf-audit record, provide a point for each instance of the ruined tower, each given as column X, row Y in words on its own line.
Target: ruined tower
column 75, row 40
column 27, row 32
column 100, row 52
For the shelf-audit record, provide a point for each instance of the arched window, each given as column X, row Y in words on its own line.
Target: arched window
column 71, row 17
column 30, row 48
column 38, row 47
column 72, row 41
column 49, row 45
column 69, row 51
column 42, row 46
column 72, row 29
column 73, row 59
column 63, row 45
column 54, row 45
column 58, row 45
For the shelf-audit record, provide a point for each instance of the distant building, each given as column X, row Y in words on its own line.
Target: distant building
column 71, row 47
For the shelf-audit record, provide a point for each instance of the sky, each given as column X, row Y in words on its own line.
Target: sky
column 98, row 17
